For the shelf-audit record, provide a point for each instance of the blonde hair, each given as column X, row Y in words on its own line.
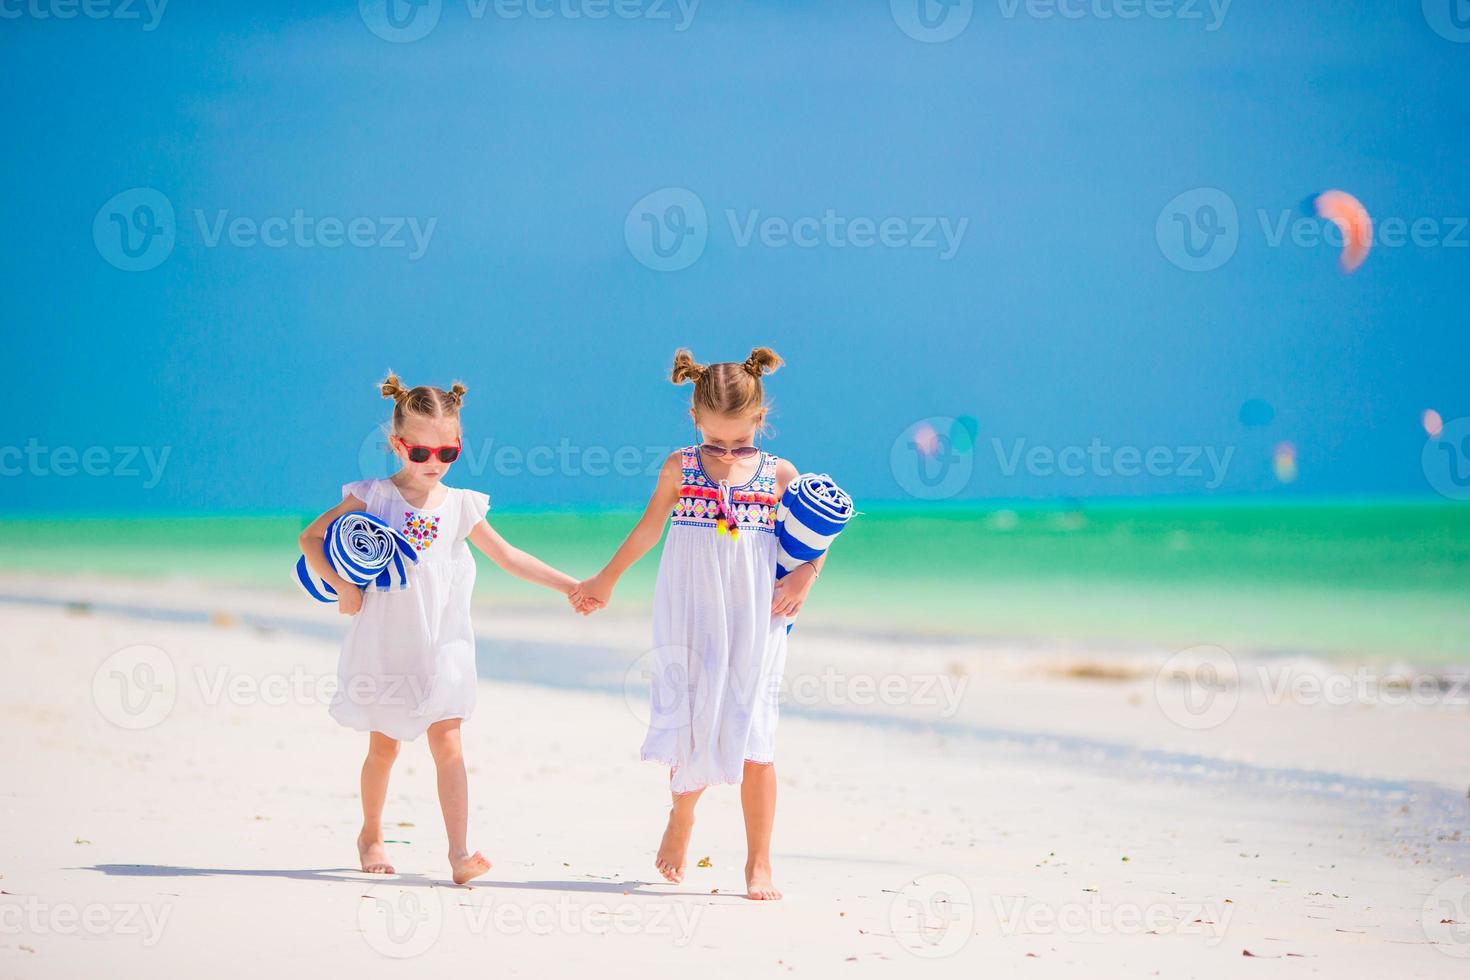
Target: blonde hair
column 730, row 387
column 421, row 401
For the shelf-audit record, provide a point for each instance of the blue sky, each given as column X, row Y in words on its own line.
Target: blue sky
column 1056, row 313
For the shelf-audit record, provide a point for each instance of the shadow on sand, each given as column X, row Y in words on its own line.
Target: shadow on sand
column 353, row 876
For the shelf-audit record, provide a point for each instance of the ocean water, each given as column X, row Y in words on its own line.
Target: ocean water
column 1372, row 580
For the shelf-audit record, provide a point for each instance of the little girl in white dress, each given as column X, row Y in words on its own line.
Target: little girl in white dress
column 408, row 662
column 720, row 617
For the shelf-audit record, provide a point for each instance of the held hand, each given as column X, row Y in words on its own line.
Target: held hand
column 791, row 591
column 581, row 602
column 349, row 599
column 593, row 594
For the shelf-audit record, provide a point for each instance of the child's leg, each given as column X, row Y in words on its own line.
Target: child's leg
column 382, row 750
column 454, row 799
column 673, row 850
column 758, row 800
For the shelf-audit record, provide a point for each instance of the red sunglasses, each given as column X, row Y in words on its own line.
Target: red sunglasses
column 421, row 454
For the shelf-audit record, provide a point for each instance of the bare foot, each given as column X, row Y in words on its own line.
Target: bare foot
column 373, row 858
column 468, row 866
column 758, row 886
column 674, row 848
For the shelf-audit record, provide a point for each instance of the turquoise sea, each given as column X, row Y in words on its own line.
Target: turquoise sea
column 1384, row 580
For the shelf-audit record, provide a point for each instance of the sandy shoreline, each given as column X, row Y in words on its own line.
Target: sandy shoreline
column 1015, row 822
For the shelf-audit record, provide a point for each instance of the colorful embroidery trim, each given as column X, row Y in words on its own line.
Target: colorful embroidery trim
column 752, row 507
column 421, row 529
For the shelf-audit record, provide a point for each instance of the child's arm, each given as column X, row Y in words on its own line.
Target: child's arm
column 645, row 534
column 517, row 562
column 349, row 596
column 792, row 590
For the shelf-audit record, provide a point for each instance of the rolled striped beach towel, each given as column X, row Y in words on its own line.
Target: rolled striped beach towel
column 812, row 512
column 365, row 551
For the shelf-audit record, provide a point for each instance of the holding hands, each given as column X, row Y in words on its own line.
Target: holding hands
column 592, row 594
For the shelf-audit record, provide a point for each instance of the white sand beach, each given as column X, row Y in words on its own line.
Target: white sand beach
column 178, row 803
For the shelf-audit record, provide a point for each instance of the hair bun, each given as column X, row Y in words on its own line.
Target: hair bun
column 392, row 387
column 457, row 392
column 762, row 360
column 686, row 368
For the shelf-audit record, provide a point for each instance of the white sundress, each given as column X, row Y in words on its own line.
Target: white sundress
column 408, row 659
column 719, row 653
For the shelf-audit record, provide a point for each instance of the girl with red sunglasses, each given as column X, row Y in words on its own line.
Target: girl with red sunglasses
column 407, row 665
column 720, row 617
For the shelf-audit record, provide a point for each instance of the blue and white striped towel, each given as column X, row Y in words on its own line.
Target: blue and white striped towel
column 812, row 513
column 365, row 551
